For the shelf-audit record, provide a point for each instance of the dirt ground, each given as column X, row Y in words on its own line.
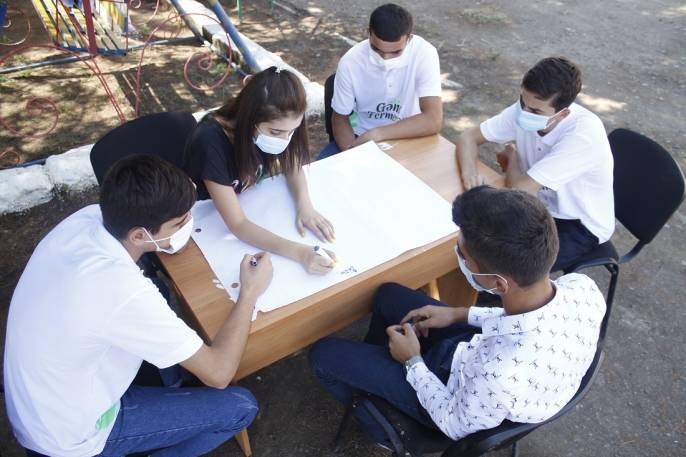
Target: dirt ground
column 632, row 55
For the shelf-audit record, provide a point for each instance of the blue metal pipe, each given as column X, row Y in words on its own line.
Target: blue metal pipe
column 233, row 33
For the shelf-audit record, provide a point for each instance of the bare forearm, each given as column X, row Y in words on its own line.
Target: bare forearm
column 419, row 125
column 254, row 235
column 297, row 185
column 342, row 131
column 229, row 342
column 467, row 152
column 513, row 175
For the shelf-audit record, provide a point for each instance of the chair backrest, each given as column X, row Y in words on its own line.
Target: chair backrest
column 648, row 183
column 328, row 111
column 162, row 134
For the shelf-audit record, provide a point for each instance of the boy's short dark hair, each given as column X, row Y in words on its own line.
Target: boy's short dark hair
column 144, row 191
column 555, row 78
column 507, row 231
column 390, row 22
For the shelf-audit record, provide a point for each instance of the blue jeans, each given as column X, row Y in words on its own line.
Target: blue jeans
column 180, row 422
column 575, row 241
column 329, row 150
column 344, row 367
column 176, row 421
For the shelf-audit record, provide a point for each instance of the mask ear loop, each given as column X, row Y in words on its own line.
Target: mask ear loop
column 492, row 274
column 457, row 253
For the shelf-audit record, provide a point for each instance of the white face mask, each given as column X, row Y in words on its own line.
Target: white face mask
column 176, row 241
column 470, row 276
column 271, row 144
column 388, row 64
column 532, row 122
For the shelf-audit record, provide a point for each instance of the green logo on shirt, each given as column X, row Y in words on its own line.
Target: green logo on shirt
column 107, row 417
column 353, row 119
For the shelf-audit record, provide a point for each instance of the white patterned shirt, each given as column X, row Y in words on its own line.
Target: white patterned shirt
column 523, row 367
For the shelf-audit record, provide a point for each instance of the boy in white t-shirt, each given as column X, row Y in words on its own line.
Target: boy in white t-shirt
column 386, row 87
column 560, row 153
column 83, row 318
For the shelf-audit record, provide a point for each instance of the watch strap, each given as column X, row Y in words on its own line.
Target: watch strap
column 412, row 361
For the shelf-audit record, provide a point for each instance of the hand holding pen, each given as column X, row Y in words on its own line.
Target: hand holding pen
column 318, row 260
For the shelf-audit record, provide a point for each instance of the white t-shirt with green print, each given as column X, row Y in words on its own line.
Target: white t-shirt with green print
column 374, row 96
column 82, row 319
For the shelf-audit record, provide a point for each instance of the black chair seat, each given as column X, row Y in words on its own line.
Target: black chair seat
column 420, row 440
column 417, row 438
column 603, row 254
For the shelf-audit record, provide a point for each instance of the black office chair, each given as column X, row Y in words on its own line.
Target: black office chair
column 162, row 134
column 409, row 438
column 648, row 189
column 328, row 111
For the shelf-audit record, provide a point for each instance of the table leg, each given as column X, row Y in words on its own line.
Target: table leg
column 244, row 442
column 431, row 289
column 454, row 290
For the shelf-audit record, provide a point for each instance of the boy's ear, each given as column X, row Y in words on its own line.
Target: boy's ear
column 502, row 284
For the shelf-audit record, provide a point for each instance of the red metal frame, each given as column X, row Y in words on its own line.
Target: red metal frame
column 90, row 28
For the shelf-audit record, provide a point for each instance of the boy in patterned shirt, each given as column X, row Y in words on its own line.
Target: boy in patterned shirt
column 462, row 370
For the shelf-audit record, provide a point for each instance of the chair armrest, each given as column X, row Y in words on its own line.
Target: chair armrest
column 599, row 262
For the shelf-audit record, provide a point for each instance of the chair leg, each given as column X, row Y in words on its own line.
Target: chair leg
column 515, row 449
column 614, row 275
column 392, row 435
column 337, row 441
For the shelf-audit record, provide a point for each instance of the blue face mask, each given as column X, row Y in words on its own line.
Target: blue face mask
column 469, row 276
column 532, row 122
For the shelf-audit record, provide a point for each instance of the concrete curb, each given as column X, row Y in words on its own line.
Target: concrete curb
column 24, row 188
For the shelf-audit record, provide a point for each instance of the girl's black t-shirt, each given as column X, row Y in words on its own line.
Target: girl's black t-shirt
column 210, row 155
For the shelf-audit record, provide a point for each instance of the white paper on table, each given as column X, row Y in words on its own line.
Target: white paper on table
column 378, row 208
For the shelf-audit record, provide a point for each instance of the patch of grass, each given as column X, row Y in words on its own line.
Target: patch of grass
column 468, row 110
column 485, row 16
column 219, row 68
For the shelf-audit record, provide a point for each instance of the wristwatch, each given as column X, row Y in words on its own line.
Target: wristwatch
column 411, row 361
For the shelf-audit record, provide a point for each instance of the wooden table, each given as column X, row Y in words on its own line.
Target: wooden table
column 281, row 332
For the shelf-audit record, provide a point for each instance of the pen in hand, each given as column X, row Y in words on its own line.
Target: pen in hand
column 322, row 252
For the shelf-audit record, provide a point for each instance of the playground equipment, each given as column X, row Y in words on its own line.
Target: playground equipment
column 93, row 26
column 84, row 30
column 102, row 26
